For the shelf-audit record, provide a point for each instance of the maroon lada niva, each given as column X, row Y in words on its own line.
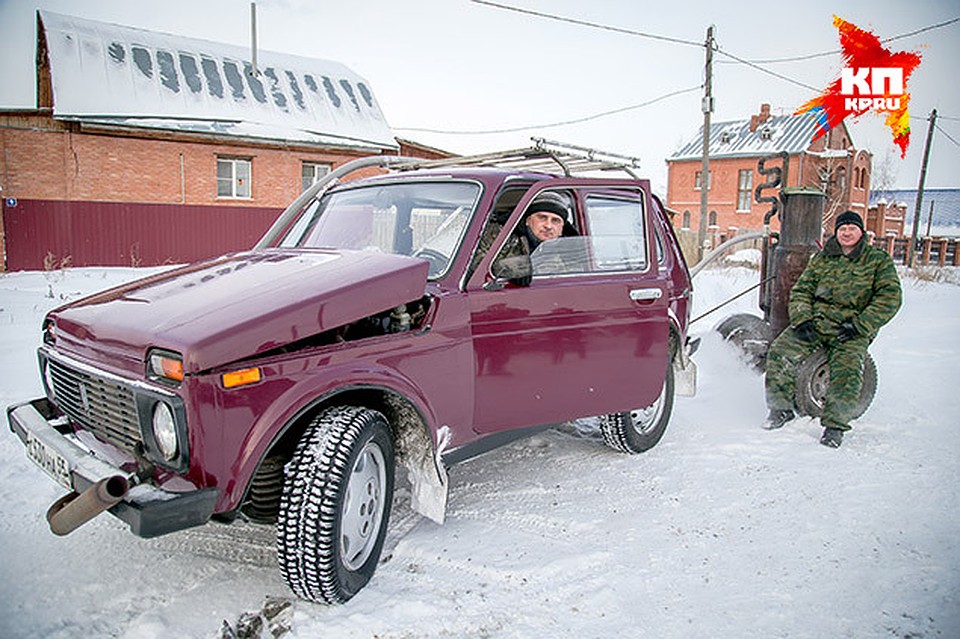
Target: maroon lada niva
column 402, row 319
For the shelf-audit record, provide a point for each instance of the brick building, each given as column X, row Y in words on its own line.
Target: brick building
column 831, row 164
column 885, row 219
column 147, row 148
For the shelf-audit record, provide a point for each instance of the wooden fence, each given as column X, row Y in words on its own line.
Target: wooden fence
column 931, row 250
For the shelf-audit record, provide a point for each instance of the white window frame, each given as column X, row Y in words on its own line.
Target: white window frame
column 744, row 190
column 316, row 169
column 239, row 183
column 698, row 180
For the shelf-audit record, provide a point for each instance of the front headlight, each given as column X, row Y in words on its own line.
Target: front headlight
column 164, row 430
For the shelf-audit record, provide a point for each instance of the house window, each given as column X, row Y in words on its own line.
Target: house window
column 233, row 177
column 686, row 219
column 712, row 218
column 698, row 180
column 311, row 172
column 744, row 190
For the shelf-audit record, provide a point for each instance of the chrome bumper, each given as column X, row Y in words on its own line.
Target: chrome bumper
column 148, row 510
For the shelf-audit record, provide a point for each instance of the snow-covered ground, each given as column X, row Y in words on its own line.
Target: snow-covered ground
column 723, row 530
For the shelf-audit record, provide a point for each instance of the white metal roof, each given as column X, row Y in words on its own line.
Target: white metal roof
column 790, row 133
column 111, row 74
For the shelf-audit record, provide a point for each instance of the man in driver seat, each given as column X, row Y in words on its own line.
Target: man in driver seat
column 547, row 218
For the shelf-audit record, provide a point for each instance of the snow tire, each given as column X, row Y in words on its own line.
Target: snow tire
column 639, row 430
column 335, row 505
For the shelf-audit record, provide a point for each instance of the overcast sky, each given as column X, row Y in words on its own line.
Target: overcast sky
column 444, row 66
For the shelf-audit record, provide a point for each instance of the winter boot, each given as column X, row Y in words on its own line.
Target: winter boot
column 832, row 437
column 777, row 418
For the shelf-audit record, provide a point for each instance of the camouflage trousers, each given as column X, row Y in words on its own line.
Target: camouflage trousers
column 846, row 374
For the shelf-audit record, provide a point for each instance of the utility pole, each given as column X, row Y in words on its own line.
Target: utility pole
column 707, row 108
column 912, row 249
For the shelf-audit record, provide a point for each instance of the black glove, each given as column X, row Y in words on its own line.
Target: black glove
column 847, row 332
column 806, row 331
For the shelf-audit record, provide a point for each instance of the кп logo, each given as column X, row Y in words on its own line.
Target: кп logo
column 873, row 78
column 882, row 83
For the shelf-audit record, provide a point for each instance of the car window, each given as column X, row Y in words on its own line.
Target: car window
column 422, row 219
column 617, row 238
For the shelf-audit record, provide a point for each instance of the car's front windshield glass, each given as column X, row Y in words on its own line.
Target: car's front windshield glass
column 422, row 219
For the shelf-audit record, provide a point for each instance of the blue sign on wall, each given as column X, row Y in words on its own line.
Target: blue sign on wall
column 11, row 202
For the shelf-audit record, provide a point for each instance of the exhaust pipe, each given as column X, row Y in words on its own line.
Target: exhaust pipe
column 75, row 509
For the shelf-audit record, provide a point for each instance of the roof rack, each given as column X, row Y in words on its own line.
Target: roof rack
column 544, row 156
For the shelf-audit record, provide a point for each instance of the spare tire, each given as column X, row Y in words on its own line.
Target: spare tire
column 813, row 378
column 749, row 334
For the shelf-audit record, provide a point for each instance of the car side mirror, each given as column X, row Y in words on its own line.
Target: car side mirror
column 517, row 269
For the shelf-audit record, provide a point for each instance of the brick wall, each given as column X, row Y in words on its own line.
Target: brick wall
column 45, row 162
column 44, row 159
column 850, row 192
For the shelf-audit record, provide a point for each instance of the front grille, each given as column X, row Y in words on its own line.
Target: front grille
column 104, row 407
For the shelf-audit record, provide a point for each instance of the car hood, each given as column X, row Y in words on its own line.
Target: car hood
column 239, row 305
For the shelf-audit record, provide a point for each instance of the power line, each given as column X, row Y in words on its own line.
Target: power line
column 767, row 71
column 824, row 54
column 555, row 124
column 584, row 23
column 754, row 64
column 947, row 135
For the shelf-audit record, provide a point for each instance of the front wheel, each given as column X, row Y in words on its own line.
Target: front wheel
column 336, row 504
column 639, row 430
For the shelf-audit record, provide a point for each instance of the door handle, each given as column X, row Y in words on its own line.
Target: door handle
column 642, row 294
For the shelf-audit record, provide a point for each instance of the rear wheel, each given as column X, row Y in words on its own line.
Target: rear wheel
column 640, row 429
column 813, row 379
column 336, row 504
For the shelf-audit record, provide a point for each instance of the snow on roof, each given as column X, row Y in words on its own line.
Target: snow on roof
column 111, row 74
column 790, row 133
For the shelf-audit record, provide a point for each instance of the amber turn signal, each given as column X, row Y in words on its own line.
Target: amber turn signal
column 241, row 378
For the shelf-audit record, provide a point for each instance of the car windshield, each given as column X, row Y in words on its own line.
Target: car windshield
column 422, row 219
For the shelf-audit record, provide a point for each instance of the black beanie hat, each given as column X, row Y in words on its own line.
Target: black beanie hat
column 550, row 207
column 848, row 217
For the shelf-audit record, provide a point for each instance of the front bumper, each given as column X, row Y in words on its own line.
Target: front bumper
column 150, row 511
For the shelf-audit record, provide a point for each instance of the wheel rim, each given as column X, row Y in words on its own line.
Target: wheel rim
column 363, row 507
column 644, row 419
column 819, row 382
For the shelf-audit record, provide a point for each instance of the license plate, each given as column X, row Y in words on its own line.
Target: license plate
column 51, row 461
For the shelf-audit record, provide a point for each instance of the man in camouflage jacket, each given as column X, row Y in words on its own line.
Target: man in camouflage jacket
column 844, row 295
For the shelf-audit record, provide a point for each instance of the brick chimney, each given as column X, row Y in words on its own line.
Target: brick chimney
column 757, row 120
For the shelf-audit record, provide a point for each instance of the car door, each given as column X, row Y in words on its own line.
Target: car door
column 575, row 342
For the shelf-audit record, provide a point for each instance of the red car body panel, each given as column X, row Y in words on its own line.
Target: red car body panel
column 481, row 361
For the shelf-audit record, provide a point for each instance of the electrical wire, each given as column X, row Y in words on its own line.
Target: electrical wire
column 584, row 23
column 767, row 71
column 754, row 64
column 945, row 134
column 824, row 54
column 555, row 124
